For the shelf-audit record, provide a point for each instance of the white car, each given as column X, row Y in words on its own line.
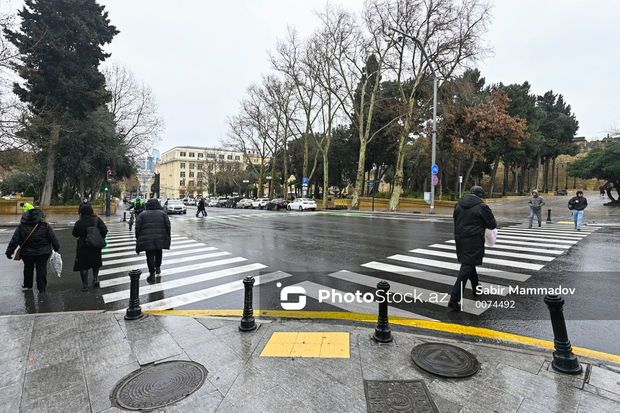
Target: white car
column 244, row 203
column 191, row 201
column 173, row 206
column 212, row 202
column 260, row 203
column 302, row 204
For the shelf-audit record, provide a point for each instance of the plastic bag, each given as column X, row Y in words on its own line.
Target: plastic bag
column 490, row 236
column 56, row 263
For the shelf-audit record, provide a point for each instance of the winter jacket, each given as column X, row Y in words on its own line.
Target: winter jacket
column 577, row 204
column 42, row 240
column 152, row 228
column 536, row 202
column 471, row 217
column 87, row 257
column 201, row 204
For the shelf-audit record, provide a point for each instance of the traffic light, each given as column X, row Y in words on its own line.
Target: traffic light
column 106, row 188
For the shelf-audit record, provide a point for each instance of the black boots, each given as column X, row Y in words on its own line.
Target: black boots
column 151, row 278
column 158, row 271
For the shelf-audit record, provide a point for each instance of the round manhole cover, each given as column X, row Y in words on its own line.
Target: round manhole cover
column 445, row 360
column 159, row 385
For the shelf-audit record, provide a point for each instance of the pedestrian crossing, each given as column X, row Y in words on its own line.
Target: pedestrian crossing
column 191, row 273
column 429, row 273
column 247, row 216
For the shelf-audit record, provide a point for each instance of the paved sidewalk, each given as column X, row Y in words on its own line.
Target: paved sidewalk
column 71, row 362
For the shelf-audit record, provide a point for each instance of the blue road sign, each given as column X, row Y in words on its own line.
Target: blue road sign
column 305, row 181
column 435, row 169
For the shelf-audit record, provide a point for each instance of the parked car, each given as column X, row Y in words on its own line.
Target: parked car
column 232, row 202
column 221, row 202
column 260, row 203
column 174, row 206
column 191, row 201
column 162, row 202
column 212, row 202
column 277, row 204
column 302, row 204
column 244, row 203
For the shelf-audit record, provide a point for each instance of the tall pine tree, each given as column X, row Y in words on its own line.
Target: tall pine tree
column 60, row 44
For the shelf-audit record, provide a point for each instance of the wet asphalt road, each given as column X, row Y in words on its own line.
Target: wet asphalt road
column 312, row 249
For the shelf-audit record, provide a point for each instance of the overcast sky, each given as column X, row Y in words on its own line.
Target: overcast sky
column 200, row 56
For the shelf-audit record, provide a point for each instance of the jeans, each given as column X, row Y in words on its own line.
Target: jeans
column 466, row 272
column 153, row 260
column 40, row 262
column 537, row 212
column 203, row 211
column 578, row 218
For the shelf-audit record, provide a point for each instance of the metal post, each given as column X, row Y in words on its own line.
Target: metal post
column 549, row 216
column 383, row 333
column 564, row 360
column 124, row 216
column 247, row 320
column 434, row 142
column 134, row 312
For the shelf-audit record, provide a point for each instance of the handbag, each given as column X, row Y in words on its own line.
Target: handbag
column 490, row 236
column 18, row 253
column 94, row 239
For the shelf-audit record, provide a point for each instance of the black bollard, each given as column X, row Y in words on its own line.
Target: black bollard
column 564, row 360
column 549, row 216
column 124, row 216
column 134, row 312
column 383, row 333
column 247, row 321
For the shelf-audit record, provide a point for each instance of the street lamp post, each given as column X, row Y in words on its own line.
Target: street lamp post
column 374, row 182
column 434, row 136
column 245, row 182
column 268, row 178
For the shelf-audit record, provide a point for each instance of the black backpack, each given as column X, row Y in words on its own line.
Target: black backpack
column 94, row 239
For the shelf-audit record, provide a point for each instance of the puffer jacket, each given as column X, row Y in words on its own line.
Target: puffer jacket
column 152, row 228
column 42, row 240
column 471, row 217
column 578, row 204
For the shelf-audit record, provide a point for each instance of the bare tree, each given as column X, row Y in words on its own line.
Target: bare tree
column 134, row 108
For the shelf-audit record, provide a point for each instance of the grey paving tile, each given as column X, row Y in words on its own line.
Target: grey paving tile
column 102, row 337
column 576, row 381
column 530, row 363
column 445, row 405
column 212, row 323
column 10, row 397
column 591, row 403
column 600, row 392
column 244, row 344
column 56, row 350
column 12, row 371
column 223, row 364
column 95, row 321
column 154, row 348
column 101, row 384
column 73, row 399
column 187, row 331
column 206, row 399
column 143, row 328
column 278, row 400
column 53, row 327
column 605, row 379
column 107, row 358
column 53, row 379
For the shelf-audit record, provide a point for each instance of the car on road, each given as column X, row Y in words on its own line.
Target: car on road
column 191, row 202
column 244, row 203
column 221, row 202
column 212, row 202
column 302, row 204
column 175, row 206
column 260, row 203
column 277, row 204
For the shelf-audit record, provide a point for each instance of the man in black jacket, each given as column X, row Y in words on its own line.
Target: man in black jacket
column 577, row 205
column 471, row 218
column 153, row 236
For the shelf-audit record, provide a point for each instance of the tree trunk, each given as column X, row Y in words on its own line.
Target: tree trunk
column 468, row 173
column 326, row 175
column 493, row 176
column 48, row 186
column 399, row 172
column 553, row 177
column 505, row 183
column 537, row 173
column 546, row 175
column 285, row 166
column 359, row 179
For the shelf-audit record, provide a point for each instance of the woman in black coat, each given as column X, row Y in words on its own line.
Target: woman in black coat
column 87, row 257
column 153, row 236
column 36, row 250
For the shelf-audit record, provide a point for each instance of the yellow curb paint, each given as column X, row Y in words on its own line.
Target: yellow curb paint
column 403, row 321
column 308, row 344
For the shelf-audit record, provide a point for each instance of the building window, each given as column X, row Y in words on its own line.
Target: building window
column 182, row 174
column 229, row 157
column 199, row 183
column 182, row 182
column 201, row 155
column 199, row 175
column 210, row 167
column 237, row 158
column 221, row 156
column 192, row 154
column 182, row 165
column 199, row 166
column 211, row 155
column 192, row 165
column 191, row 183
column 191, row 174
column 183, row 154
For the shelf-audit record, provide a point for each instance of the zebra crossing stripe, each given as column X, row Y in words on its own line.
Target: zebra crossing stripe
column 518, row 248
column 485, row 260
column 469, row 306
column 537, row 244
column 165, row 254
column 491, row 272
column 143, row 265
column 133, row 246
column 497, row 252
column 133, row 242
column 200, row 295
column 176, row 270
column 541, row 236
column 312, row 290
column 422, row 275
column 132, row 251
column 568, row 233
column 180, row 282
column 535, row 240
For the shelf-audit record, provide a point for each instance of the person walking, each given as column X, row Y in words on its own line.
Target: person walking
column 471, row 218
column 577, row 205
column 153, row 236
column 200, row 208
column 87, row 253
column 36, row 239
column 536, row 203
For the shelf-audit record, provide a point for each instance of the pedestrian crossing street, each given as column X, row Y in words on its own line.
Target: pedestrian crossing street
column 518, row 255
column 192, row 272
column 245, row 216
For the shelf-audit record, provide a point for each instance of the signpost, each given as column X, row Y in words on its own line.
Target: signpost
column 304, row 184
column 434, row 180
column 460, row 183
column 435, row 169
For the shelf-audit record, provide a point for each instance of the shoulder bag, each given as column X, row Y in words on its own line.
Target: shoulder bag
column 94, row 239
column 18, row 253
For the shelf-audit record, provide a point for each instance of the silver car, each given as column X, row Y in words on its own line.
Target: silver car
column 174, row 206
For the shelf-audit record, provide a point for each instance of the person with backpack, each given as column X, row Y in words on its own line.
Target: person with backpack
column 153, row 236
column 577, row 205
column 35, row 239
column 90, row 232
